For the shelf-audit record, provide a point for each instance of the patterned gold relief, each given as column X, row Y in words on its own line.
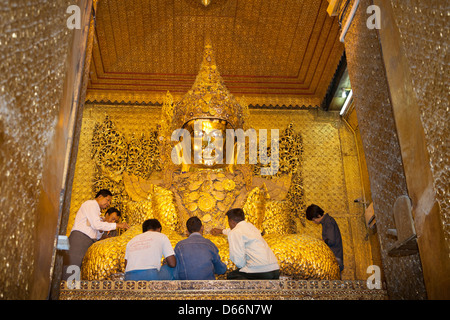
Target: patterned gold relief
column 109, row 150
column 228, row 184
column 143, row 155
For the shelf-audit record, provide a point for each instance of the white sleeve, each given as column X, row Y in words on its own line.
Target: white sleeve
column 93, row 216
column 226, row 231
column 237, row 249
column 167, row 249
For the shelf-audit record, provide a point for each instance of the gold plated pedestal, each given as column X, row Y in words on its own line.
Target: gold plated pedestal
column 222, row 290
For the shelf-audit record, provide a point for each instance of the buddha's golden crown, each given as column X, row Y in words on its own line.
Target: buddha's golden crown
column 208, row 98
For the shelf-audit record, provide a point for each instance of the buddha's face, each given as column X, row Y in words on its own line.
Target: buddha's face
column 207, row 142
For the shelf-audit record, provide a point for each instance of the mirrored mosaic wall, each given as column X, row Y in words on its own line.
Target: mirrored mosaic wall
column 34, row 43
column 423, row 27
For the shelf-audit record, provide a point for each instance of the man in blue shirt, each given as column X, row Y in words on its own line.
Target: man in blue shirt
column 331, row 234
column 197, row 258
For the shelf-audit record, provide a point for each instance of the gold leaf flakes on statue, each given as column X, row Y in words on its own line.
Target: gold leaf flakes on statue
column 303, row 257
column 141, row 211
column 192, row 206
column 229, row 198
column 165, row 209
column 254, row 207
column 222, row 207
column 195, row 185
column 207, row 97
column 218, row 186
column 277, row 218
column 206, row 186
column 193, row 196
column 206, row 203
column 205, row 108
column 228, row 184
column 218, row 195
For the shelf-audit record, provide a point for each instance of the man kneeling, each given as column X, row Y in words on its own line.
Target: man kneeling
column 197, row 258
column 248, row 249
column 144, row 253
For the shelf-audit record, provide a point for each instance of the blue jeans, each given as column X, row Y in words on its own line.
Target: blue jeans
column 165, row 273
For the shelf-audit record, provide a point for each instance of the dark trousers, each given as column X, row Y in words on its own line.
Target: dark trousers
column 79, row 244
column 165, row 273
column 238, row 275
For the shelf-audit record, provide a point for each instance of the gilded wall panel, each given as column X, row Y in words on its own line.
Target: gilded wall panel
column 128, row 120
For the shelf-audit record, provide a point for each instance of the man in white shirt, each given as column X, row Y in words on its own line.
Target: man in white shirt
column 144, row 253
column 111, row 215
column 87, row 228
column 248, row 249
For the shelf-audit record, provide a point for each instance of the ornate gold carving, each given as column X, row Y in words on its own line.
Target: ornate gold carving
column 109, row 150
column 117, row 289
column 143, row 155
column 206, row 203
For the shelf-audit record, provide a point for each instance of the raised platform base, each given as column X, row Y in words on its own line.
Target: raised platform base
column 222, row 290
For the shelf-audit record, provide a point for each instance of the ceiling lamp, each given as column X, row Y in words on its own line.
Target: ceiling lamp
column 345, row 92
column 205, row 2
column 346, row 103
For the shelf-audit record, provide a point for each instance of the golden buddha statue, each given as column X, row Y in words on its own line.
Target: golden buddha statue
column 205, row 172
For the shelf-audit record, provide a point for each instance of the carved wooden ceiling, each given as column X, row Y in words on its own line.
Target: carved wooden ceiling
column 273, row 52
